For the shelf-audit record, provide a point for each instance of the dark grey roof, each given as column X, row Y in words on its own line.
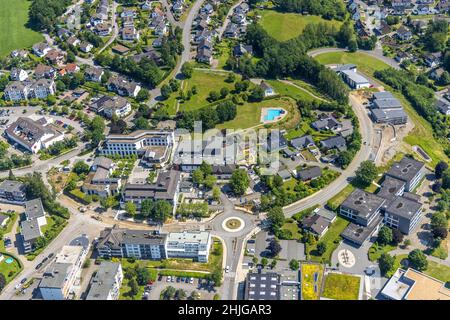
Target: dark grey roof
column 316, row 223
column 30, row 230
column 358, row 234
column 363, row 203
column 55, row 275
column 406, row 169
column 12, row 186
column 387, row 103
column 164, row 188
column 388, row 114
column 443, row 106
column 28, row 131
column 390, row 187
column 114, row 237
column 404, row 207
column 34, row 209
column 225, row 169
column 302, row 142
column 262, row 286
column 334, row 142
column 103, row 281
column 102, row 162
column 309, row 173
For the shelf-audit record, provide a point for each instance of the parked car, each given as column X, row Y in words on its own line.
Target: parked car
column 39, row 266
column 168, row 278
column 191, row 281
column 50, row 255
column 227, row 269
column 23, row 280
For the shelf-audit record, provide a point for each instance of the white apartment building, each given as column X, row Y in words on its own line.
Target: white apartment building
column 136, row 142
column 106, row 283
column 42, row 88
column 16, row 91
column 61, row 276
column 195, row 245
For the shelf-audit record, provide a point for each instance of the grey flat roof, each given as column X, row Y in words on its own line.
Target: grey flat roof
column 103, row 281
column 11, row 186
column 262, row 286
column 354, row 76
column 309, row 173
column 406, row 169
column 34, row 209
column 404, row 207
column 55, row 275
column 362, row 202
column 388, row 114
column 30, row 229
column 390, row 187
column 387, row 103
column 383, row 95
column 114, row 237
column 357, row 233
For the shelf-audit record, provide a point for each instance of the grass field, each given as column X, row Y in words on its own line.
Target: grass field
column 438, row 271
column 9, row 270
column 13, row 33
column 293, row 228
column 311, row 288
column 285, row 26
column 205, row 81
column 249, row 114
column 422, row 133
column 284, row 89
column 341, row 287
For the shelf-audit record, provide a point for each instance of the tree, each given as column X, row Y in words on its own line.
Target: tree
column 264, row 262
column 166, row 90
column 418, row 260
column 216, row 193
column 194, row 295
column 446, row 179
column 366, row 172
column 440, row 168
column 257, row 94
column 147, row 207
column 273, row 264
column 210, row 181
column 321, row 248
column 274, row 247
column 187, row 70
column 130, row 208
column 168, row 293
column 143, row 276
column 224, row 92
column 440, row 233
column 2, row 282
column 180, row 294
column 386, row 263
column 216, row 276
column 276, row 217
column 134, row 288
column 294, row 264
column 407, row 243
column 198, row 177
column 81, row 167
column 385, row 235
column 142, row 95
column 163, row 210
column 352, row 45
column 397, row 236
column 239, row 182
column 439, row 220
column 213, row 96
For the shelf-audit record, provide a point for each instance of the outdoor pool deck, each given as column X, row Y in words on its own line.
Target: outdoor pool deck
column 271, row 115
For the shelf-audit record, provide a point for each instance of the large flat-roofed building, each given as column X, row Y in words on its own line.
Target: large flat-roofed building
column 189, row 244
column 125, row 243
column 393, row 116
column 403, row 214
column 32, row 135
column 363, row 209
column 61, row 275
column 414, row 285
column 136, row 142
column 106, row 282
column 12, row 192
column 354, row 80
column 165, row 188
column 408, row 170
column 262, row 286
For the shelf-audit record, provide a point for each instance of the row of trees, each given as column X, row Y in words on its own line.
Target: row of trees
column 328, row 9
column 43, row 14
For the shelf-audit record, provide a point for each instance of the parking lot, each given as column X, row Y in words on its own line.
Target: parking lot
column 203, row 287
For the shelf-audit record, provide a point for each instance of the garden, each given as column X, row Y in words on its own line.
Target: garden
column 311, row 281
column 9, row 266
column 341, row 287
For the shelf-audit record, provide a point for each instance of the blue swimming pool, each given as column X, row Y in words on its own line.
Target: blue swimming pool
column 9, row 260
column 272, row 114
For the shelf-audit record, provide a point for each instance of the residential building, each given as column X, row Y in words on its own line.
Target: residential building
column 41, row 49
column 165, row 188
column 262, row 286
column 16, row 91
column 44, row 71
column 411, row 284
column 110, row 106
column 404, row 34
column 12, row 192
column 61, row 276
column 327, row 123
column 123, row 87
column 103, row 29
column 363, row 209
column 408, row 170
column 242, row 49
column 136, row 142
column 30, row 227
column 204, row 55
column 316, row 224
column 189, row 244
column 32, row 135
column 94, row 74
column 403, row 214
column 309, row 173
column 303, row 142
column 18, row 74
column 336, row 142
column 42, row 88
column 106, row 282
column 433, row 60
column 55, row 57
column 126, row 243
column 268, row 90
column 99, row 180
column 129, row 33
column 443, row 107
column 86, row 47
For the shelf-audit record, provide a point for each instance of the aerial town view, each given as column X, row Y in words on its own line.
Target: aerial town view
column 224, row 150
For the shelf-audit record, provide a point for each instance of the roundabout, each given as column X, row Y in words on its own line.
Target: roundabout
column 233, row 224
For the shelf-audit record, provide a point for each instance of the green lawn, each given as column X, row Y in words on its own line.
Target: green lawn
column 310, row 288
column 13, row 33
column 376, row 250
column 284, row 89
column 367, row 64
column 205, row 81
column 422, row 134
column 285, row 26
column 9, row 270
column 341, row 287
column 293, row 228
column 438, row 271
column 332, row 239
column 249, row 114
column 336, row 201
